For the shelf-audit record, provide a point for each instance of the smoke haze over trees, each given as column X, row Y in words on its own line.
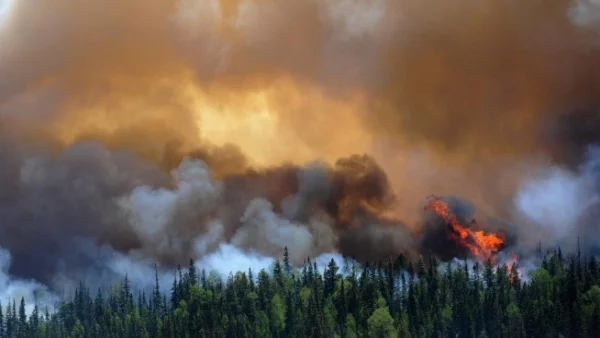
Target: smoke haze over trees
column 395, row 298
column 135, row 133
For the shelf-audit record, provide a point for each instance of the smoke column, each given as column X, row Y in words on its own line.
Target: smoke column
column 226, row 130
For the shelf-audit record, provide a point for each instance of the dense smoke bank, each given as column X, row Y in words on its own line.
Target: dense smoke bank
column 227, row 130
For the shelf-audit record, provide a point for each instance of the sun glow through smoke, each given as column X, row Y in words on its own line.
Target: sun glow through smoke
column 258, row 122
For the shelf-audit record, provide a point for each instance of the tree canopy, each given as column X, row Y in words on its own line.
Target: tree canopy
column 388, row 299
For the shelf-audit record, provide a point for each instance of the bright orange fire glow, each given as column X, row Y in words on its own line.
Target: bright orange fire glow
column 514, row 260
column 482, row 245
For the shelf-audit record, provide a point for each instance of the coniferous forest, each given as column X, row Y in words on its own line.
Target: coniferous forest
column 396, row 298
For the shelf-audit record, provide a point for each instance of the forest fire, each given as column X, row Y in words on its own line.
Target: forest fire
column 514, row 274
column 480, row 244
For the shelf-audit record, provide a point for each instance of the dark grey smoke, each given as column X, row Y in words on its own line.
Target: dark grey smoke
column 104, row 171
column 573, row 132
column 52, row 207
column 73, row 213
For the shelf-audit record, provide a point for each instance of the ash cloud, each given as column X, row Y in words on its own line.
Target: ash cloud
column 87, row 211
column 108, row 164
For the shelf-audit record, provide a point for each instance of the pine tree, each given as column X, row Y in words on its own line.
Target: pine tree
column 22, row 328
column 287, row 268
column 264, row 289
column 203, row 280
column 330, row 278
column 9, row 320
column 278, row 275
column 156, row 293
column 277, row 315
column 174, row 294
column 192, row 274
column 291, row 316
column 251, row 279
column 560, row 299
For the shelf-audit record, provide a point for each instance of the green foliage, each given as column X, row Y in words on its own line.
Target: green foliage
column 389, row 299
column 381, row 324
column 350, row 327
column 277, row 313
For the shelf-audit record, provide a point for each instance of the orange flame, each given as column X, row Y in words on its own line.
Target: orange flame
column 509, row 265
column 482, row 245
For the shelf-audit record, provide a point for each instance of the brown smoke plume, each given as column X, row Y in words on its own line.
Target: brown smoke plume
column 105, row 108
column 472, row 80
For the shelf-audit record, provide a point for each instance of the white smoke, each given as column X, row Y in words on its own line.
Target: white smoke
column 155, row 213
column 12, row 289
column 556, row 200
column 262, row 225
column 262, row 234
column 324, row 259
column 585, row 13
column 227, row 259
column 4, row 9
column 209, row 240
column 230, row 259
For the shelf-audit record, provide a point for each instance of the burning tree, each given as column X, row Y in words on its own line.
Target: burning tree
column 479, row 243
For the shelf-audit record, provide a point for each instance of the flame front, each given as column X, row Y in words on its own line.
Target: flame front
column 482, row 245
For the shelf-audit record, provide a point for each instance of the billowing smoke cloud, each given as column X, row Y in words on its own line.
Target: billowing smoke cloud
column 559, row 207
column 333, row 208
column 227, row 130
column 14, row 289
column 87, row 212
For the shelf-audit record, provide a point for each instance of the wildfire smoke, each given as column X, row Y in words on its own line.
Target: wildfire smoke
column 159, row 131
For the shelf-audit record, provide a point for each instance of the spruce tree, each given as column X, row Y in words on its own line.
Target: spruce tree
column 287, row 268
